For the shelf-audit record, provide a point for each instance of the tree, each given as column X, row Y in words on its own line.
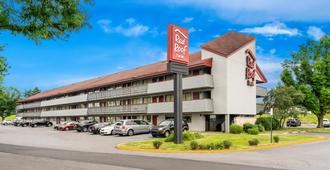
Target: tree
column 9, row 98
column 43, row 19
column 31, row 92
column 286, row 102
column 309, row 72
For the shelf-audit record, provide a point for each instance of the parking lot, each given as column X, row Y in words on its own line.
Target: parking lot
column 305, row 156
column 68, row 140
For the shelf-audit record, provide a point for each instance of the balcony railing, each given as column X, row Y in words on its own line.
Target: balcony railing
column 70, row 112
column 65, row 100
column 122, row 92
column 31, row 114
column 193, row 82
column 193, row 106
column 141, row 108
column 28, row 105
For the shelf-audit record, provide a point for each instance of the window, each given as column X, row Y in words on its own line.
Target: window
column 154, row 79
column 187, row 119
column 136, row 101
column 195, row 95
column 161, row 99
column 187, row 96
column 154, row 99
column 169, row 98
column 161, row 78
column 195, row 72
column 146, row 100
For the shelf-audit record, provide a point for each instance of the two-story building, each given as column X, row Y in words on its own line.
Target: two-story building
column 221, row 88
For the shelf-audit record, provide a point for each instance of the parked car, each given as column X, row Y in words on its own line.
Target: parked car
column 326, row 123
column 165, row 127
column 131, row 127
column 57, row 126
column 24, row 123
column 84, row 125
column 7, row 122
column 68, row 126
column 95, row 129
column 36, row 123
column 293, row 123
column 16, row 122
column 108, row 130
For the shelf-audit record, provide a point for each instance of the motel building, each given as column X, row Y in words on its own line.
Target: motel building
column 221, row 88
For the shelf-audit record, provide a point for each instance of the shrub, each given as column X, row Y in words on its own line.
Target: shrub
column 157, row 144
column 253, row 142
column 236, row 129
column 227, row 144
column 170, row 138
column 211, row 146
column 261, row 128
column 247, row 126
column 253, row 131
column 265, row 122
column 202, row 146
column 194, row 145
column 219, row 145
column 187, row 136
column 276, row 139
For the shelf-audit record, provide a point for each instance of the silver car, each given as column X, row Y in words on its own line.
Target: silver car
column 131, row 127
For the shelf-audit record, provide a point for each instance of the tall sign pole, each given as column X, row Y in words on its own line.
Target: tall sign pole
column 178, row 60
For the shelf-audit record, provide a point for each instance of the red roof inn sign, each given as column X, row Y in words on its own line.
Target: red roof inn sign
column 177, row 45
column 250, row 71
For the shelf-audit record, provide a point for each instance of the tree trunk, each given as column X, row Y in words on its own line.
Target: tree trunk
column 2, row 118
column 320, row 120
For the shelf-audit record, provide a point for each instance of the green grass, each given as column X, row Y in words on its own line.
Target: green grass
column 11, row 117
column 311, row 118
column 310, row 130
column 240, row 141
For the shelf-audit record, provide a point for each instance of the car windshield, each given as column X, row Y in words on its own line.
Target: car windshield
column 119, row 123
column 165, row 123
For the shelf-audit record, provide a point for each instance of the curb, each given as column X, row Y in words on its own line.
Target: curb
column 267, row 146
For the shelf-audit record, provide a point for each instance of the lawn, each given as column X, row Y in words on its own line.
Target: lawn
column 311, row 118
column 310, row 130
column 239, row 141
column 11, row 117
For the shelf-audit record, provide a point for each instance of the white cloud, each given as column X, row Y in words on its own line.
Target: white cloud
column 129, row 29
column 315, row 32
column 272, row 29
column 104, row 24
column 260, row 11
column 187, row 19
column 193, row 29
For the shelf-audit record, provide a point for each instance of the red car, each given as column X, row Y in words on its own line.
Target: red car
column 68, row 126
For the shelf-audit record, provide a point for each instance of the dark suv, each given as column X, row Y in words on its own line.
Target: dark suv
column 95, row 129
column 84, row 125
column 165, row 127
column 293, row 123
column 36, row 123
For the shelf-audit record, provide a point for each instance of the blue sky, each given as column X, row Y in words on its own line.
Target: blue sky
column 126, row 34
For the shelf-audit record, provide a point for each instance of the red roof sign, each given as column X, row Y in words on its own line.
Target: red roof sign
column 177, row 44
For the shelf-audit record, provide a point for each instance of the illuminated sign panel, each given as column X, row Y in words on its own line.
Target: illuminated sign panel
column 250, row 71
column 177, row 44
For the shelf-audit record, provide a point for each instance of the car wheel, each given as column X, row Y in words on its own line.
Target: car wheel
column 130, row 132
column 112, row 132
column 153, row 135
column 167, row 133
column 85, row 129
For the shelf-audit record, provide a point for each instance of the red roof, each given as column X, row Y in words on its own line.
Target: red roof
column 124, row 76
column 228, row 43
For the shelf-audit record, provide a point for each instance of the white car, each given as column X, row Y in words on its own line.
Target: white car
column 7, row 122
column 326, row 123
column 108, row 130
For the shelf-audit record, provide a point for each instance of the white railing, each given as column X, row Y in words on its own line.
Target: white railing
column 65, row 100
column 193, row 106
column 127, row 91
column 193, row 82
column 70, row 112
column 141, row 108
